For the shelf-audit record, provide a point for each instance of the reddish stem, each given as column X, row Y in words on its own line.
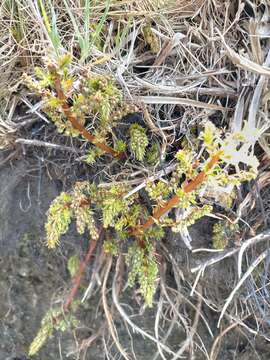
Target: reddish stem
column 77, row 279
column 192, row 185
column 77, row 125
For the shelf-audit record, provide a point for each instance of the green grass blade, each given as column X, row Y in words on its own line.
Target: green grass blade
column 101, row 23
column 84, row 39
column 75, row 26
column 44, row 16
column 51, row 26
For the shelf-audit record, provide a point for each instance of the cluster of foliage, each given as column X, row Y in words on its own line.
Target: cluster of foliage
column 223, row 233
column 134, row 227
column 121, row 215
column 54, row 319
column 76, row 101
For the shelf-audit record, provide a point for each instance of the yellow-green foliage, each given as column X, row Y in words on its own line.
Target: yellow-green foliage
column 142, row 262
column 59, row 217
column 223, row 232
column 120, row 214
column 67, row 207
column 234, row 149
column 92, row 99
column 219, row 180
column 73, row 265
column 82, row 211
column 83, row 201
column 186, row 159
column 189, row 202
column 143, row 267
column 190, row 217
column 138, row 141
column 86, row 202
column 53, row 320
column 151, row 39
column 153, row 155
column 110, row 247
column 158, row 191
column 44, row 333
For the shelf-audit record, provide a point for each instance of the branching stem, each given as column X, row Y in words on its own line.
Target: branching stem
column 192, row 185
column 82, row 267
column 77, row 125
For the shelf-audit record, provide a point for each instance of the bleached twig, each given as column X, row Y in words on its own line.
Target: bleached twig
column 227, row 253
column 249, row 271
column 40, row 143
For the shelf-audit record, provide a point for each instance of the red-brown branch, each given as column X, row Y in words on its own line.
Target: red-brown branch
column 77, row 125
column 192, row 185
column 78, row 277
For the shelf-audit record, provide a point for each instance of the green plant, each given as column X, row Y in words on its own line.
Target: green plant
column 138, row 141
column 86, row 36
column 223, row 232
column 50, row 26
column 151, row 39
column 74, row 101
column 130, row 227
column 225, row 156
column 87, row 39
column 129, row 218
column 55, row 319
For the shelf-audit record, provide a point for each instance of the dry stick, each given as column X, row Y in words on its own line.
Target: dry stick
column 108, row 314
column 227, row 253
column 77, row 125
column 11, row 156
column 249, row 271
column 82, row 267
column 188, row 342
column 47, row 144
column 157, row 320
column 127, row 318
column 175, row 199
column 214, row 349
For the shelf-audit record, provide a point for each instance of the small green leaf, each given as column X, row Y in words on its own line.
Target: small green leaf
column 73, row 265
column 138, row 141
column 64, row 61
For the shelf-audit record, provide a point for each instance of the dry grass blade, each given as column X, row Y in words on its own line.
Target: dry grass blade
column 252, row 241
column 48, row 145
column 243, row 62
column 180, row 101
column 228, row 253
column 7, row 135
column 125, row 316
column 188, row 343
column 255, row 102
column 108, row 313
column 249, row 271
column 214, row 350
